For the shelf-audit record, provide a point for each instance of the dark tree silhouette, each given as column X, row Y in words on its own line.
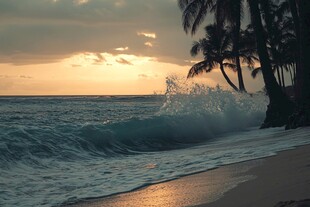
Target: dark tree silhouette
column 282, row 42
column 194, row 13
column 230, row 11
column 216, row 49
column 301, row 116
column 279, row 108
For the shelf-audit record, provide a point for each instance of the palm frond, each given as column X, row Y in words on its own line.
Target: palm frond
column 255, row 72
column 199, row 18
column 182, row 4
column 231, row 66
column 196, row 48
column 194, row 13
column 198, row 68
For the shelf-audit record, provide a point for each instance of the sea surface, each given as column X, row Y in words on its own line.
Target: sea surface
column 59, row 150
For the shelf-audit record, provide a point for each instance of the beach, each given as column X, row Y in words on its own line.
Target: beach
column 261, row 182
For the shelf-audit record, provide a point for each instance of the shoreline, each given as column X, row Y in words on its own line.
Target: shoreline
column 220, row 186
column 281, row 178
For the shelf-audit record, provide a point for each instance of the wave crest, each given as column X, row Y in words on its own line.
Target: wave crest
column 192, row 113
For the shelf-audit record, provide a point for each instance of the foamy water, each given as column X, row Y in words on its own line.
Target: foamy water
column 55, row 150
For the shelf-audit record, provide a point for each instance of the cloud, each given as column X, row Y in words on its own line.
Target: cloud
column 123, row 61
column 121, row 48
column 44, row 31
column 80, row 2
column 25, row 76
column 149, row 35
column 15, row 77
column 148, row 76
column 99, row 59
column 149, row 44
column 143, row 76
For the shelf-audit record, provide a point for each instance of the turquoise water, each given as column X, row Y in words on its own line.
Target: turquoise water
column 56, row 150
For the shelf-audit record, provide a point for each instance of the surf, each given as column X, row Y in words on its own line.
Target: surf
column 191, row 113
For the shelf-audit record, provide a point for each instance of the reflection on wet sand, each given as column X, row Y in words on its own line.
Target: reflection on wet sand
column 187, row 191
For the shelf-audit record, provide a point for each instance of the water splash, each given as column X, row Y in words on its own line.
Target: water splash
column 227, row 108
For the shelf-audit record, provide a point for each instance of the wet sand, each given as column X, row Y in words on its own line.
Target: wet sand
column 257, row 183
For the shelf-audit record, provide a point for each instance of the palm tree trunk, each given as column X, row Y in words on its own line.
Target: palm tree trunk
column 227, row 78
column 295, row 15
column 301, row 117
column 236, row 46
column 279, row 77
column 269, row 19
column 301, row 70
column 239, row 72
column 279, row 108
column 294, row 12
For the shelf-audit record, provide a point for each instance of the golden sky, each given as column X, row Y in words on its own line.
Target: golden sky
column 94, row 47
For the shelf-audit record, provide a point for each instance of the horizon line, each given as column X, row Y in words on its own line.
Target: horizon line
column 41, row 95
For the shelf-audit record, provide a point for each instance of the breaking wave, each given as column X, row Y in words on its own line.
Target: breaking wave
column 192, row 113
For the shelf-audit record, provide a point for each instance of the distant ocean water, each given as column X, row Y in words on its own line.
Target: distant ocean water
column 56, row 150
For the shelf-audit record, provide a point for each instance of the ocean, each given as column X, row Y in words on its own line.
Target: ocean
column 59, row 150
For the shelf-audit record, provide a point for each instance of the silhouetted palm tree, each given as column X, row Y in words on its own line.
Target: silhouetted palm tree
column 279, row 108
column 230, row 11
column 280, row 29
column 302, row 111
column 194, row 12
column 216, row 49
column 293, row 8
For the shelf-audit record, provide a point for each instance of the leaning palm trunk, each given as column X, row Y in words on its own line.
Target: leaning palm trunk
column 279, row 108
column 301, row 116
column 279, row 76
column 227, row 78
column 240, row 76
column 236, row 48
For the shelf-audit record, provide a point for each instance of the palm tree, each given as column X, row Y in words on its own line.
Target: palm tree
column 301, row 117
column 194, row 12
column 269, row 17
column 216, row 51
column 279, row 108
column 281, row 46
column 231, row 12
column 295, row 15
column 280, row 32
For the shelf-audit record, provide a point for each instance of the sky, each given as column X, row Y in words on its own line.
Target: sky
column 96, row 47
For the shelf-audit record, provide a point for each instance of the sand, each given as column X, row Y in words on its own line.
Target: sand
column 257, row 183
column 280, row 178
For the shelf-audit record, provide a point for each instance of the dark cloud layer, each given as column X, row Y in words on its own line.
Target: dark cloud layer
column 42, row 31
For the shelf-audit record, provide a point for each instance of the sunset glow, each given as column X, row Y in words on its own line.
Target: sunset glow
column 94, row 47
